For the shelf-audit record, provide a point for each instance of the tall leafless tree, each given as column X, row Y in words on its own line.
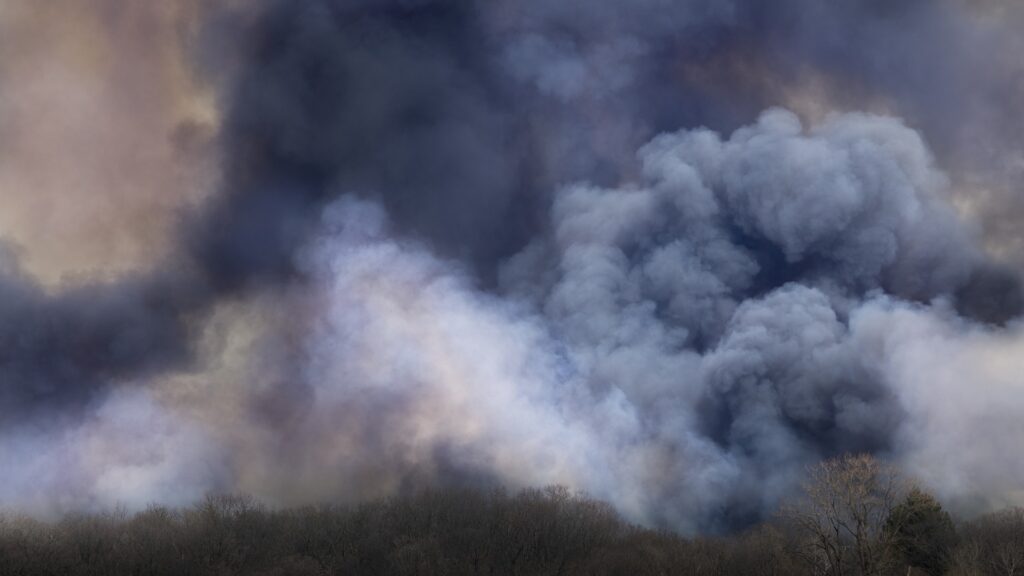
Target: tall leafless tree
column 842, row 515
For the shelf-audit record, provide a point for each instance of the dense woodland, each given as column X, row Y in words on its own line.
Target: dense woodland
column 855, row 517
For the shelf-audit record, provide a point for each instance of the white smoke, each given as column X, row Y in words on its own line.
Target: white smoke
column 642, row 350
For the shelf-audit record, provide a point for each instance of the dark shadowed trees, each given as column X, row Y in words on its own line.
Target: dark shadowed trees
column 855, row 519
column 992, row 545
column 922, row 532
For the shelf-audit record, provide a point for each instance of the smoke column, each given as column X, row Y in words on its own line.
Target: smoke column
column 669, row 254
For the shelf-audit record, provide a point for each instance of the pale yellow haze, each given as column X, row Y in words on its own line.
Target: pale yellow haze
column 103, row 130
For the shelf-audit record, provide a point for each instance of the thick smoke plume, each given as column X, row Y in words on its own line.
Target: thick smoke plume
column 666, row 253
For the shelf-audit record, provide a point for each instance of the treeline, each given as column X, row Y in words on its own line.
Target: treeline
column 856, row 518
column 548, row 531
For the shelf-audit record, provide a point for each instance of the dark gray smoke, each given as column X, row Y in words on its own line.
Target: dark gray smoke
column 393, row 99
column 648, row 249
column 462, row 118
column 733, row 249
column 57, row 351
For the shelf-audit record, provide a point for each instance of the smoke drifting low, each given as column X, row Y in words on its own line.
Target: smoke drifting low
column 668, row 254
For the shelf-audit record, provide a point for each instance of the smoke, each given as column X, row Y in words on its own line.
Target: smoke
column 666, row 253
column 104, row 134
column 57, row 351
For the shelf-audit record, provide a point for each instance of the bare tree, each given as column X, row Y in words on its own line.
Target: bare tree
column 842, row 516
column 992, row 545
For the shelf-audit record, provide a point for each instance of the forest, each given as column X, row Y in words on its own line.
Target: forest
column 855, row 517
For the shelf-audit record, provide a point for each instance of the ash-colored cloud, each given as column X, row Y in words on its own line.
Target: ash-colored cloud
column 336, row 249
column 105, row 133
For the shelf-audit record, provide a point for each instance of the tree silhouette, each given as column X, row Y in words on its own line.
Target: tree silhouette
column 922, row 532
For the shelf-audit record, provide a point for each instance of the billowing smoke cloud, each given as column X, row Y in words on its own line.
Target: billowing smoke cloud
column 648, row 250
column 104, row 138
column 57, row 351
